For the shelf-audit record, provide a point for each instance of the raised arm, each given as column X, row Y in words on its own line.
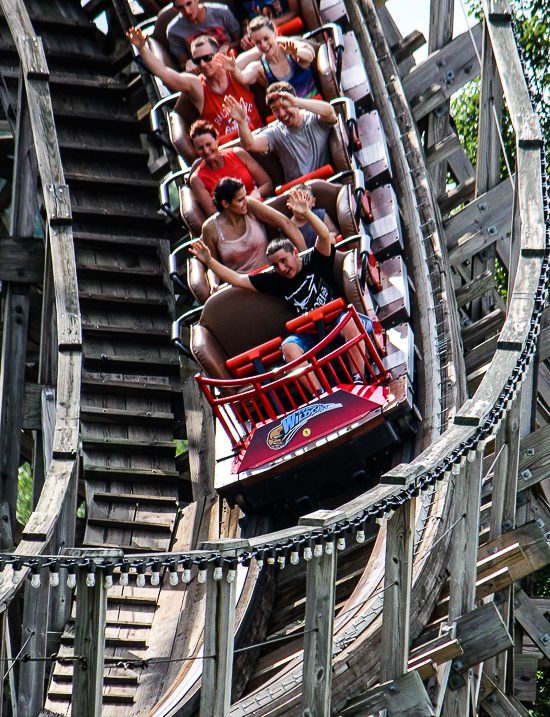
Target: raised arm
column 227, row 62
column 322, row 109
column 174, row 81
column 271, row 216
column 237, row 112
column 300, row 51
column 202, row 252
column 297, row 201
column 257, row 172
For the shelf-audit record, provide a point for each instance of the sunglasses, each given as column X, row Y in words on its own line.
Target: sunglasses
column 203, row 58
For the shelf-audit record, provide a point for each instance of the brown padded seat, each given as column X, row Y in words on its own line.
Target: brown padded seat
column 219, row 335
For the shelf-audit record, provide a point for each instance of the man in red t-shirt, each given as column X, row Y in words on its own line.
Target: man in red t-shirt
column 207, row 91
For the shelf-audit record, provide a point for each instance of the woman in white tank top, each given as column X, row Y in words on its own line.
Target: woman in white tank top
column 236, row 234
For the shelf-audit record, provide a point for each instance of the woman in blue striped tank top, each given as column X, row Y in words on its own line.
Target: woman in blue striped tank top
column 277, row 59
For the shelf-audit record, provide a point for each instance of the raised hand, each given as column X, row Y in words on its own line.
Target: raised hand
column 201, row 251
column 136, row 37
column 290, row 100
column 289, row 47
column 237, row 110
column 298, row 202
column 226, row 62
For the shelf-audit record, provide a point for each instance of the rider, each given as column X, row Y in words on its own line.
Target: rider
column 305, row 282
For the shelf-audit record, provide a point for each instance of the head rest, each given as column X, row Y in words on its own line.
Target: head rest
column 346, row 205
column 191, row 212
column 341, row 160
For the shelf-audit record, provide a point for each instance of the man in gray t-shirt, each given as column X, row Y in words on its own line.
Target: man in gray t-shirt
column 196, row 19
column 299, row 137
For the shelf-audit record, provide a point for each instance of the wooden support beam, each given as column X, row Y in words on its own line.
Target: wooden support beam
column 533, row 621
column 443, row 73
column 497, row 704
column 16, row 311
column 219, row 636
column 319, row 623
column 463, row 564
column 485, row 327
column 397, row 592
column 22, row 260
column 405, row 696
column 475, row 289
column 485, row 221
column 440, row 147
column 200, row 434
column 443, row 149
column 89, row 643
column 456, row 196
column 405, row 48
column 35, row 630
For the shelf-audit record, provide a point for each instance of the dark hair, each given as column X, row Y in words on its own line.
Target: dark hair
column 225, row 190
column 202, row 127
column 279, row 87
column 203, row 40
column 276, row 245
column 260, row 22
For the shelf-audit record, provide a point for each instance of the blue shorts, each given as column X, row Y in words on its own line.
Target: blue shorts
column 307, row 341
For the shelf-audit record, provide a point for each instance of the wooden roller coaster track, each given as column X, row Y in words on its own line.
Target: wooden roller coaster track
column 391, row 623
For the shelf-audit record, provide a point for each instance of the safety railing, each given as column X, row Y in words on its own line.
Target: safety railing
column 253, row 402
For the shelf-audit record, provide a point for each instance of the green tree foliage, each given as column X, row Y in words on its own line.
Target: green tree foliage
column 24, row 494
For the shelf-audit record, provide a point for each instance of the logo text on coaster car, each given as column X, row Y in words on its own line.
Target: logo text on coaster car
column 280, row 436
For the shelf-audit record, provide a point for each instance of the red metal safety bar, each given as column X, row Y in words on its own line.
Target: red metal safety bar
column 243, row 404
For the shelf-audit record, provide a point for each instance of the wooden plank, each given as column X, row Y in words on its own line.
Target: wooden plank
column 511, row 73
column 32, row 411
column 533, row 621
column 476, row 288
column 35, row 624
column 91, row 611
column 320, row 598
column 21, row 260
column 442, row 149
column 397, row 596
column 448, row 69
column 219, row 631
column 481, row 223
column 456, row 196
column 497, row 704
column 409, row 44
column 200, row 434
column 463, row 564
column 481, row 634
column 525, row 677
column 405, row 696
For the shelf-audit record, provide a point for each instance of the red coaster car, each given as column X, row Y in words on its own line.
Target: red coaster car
column 304, row 431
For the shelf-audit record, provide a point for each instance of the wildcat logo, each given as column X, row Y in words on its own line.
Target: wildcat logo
column 280, row 436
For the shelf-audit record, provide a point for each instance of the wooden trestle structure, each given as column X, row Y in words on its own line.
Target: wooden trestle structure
column 412, row 598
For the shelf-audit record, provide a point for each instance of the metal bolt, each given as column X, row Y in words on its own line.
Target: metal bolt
column 507, row 525
column 492, row 699
column 48, row 393
column 530, row 452
column 545, row 639
column 526, row 474
column 458, row 665
column 482, row 206
column 492, row 230
column 393, row 689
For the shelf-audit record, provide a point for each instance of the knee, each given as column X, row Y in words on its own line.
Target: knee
column 291, row 351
